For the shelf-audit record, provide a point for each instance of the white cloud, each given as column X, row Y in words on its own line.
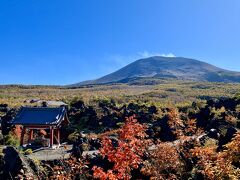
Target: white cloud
column 117, row 61
column 168, row 55
column 123, row 60
column 146, row 54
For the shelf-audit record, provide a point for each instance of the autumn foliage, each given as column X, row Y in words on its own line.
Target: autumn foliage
column 175, row 123
column 219, row 165
column 127, row 154
column 164, row 162
column 198, row 142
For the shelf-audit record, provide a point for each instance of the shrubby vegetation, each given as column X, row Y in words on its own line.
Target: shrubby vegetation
column 11, row 140
column 181, row 130
column 162, row 93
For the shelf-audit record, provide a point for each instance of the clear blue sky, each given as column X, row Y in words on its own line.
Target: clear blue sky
column 63, row 42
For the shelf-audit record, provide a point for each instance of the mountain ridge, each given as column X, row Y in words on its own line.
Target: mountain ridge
column 179, row 68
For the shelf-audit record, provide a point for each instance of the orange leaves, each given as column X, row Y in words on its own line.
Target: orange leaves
column 164, row 162
column 211, row 163
column 175, row 123
column 219, row 165
column 67, row 169
column 234, row 145
column 132, row 129
column 100, row 174
column 127, row 154
column 191, row 127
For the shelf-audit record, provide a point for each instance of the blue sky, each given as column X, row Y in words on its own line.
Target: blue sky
column 63, row 42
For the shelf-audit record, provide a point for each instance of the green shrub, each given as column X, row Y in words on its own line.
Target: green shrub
column 28, row 151
column 73, row 137
column 11, row 140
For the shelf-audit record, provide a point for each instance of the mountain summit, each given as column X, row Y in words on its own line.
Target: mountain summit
column 168, row 67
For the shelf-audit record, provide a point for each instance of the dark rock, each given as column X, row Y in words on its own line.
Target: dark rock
column 4, row 108
column 13, row 163
column 231, row 131
column 78, row 104
column 213, row 134
column 152, row 109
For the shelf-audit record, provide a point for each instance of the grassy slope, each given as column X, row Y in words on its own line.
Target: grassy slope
column 163, row 94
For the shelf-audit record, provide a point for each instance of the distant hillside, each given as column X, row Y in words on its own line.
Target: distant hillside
column 167, row 67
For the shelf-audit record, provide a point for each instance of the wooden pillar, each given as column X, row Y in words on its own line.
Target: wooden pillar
column 22, row 135
column 51, row 136
column 30, row 136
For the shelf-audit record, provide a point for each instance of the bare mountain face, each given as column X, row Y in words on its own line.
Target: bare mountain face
column 168, row 68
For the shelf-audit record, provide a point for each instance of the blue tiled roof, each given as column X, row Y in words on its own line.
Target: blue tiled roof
column 39, row 116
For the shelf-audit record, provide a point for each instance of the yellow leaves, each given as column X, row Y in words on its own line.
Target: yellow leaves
column 234, row 145
column 218, row 165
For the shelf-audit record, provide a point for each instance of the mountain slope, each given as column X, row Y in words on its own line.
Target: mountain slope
column 166, row 67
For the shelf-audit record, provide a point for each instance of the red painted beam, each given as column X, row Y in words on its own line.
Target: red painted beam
column 58, row 136
column 22, row 136
column 30, row 136
column 51, row 137
column 39, row 127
